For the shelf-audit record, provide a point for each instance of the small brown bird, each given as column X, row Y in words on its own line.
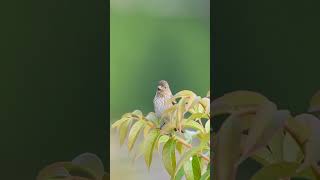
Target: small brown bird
column 163, row 94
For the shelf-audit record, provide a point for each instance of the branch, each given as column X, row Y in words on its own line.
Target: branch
column 180, row 140
column 190, row 146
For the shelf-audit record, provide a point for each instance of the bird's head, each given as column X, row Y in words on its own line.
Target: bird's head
column 163, row 88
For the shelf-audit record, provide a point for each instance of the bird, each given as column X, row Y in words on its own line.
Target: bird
column 160, row 101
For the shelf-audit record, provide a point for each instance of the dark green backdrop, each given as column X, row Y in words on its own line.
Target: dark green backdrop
column 268, row 46
column 53, row 74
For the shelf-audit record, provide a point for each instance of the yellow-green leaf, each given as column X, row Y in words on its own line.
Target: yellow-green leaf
column 169, row 156
column 179, row 175
column 227, row 148
column 198, row 116
column 184, row 93
column 188, row 171
column 312, row 146
column 152, row 116
column 205, row 102
column 207, row 126
column 291, row 149
column 299, row 129
column 194, row 125
column 146, row 131
column 263, row 156
column 179, row 147
column 206, row 175
column 138, row 113
column 134, row 132
column 119, row 122
column 281, row 170
column 123, row 131
column 149, row 144
column 235, row 100
column 162, row 139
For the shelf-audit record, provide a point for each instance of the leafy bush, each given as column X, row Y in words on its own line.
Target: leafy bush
column 285, row 145
column 186, row 135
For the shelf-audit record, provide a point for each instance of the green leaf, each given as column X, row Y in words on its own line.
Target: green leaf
column 192, row 168
column 162, row 139
column 207, row 126
column 179, row 174
column 196, row 167
column 149, row 144
column 134, row 132
column 169, row 156
column 227, row 148
column 206, row 175
column 123, row 131
column 194, row 125
column 281, row 170
column 193, row 151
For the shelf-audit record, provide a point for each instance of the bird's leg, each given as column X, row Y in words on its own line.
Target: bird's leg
column 162, row 125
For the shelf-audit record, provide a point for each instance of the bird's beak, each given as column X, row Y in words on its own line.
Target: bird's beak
column 159, row 88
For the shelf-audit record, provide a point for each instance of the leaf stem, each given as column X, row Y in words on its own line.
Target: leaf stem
column 190, row 146
column 182, row 141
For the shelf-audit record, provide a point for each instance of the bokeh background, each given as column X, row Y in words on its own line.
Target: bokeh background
column 150, row 41
column 53, row 74
column 267, row 46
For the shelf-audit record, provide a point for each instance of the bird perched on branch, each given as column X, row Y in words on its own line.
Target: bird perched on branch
column 160, row 101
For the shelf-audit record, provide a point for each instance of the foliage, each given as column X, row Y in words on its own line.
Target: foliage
column 286, row 146
column 86, row 166
column 187, row 134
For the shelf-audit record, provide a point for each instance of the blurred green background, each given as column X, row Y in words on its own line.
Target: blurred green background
column 53, row 74
column 151, row 41
column 268, row 46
